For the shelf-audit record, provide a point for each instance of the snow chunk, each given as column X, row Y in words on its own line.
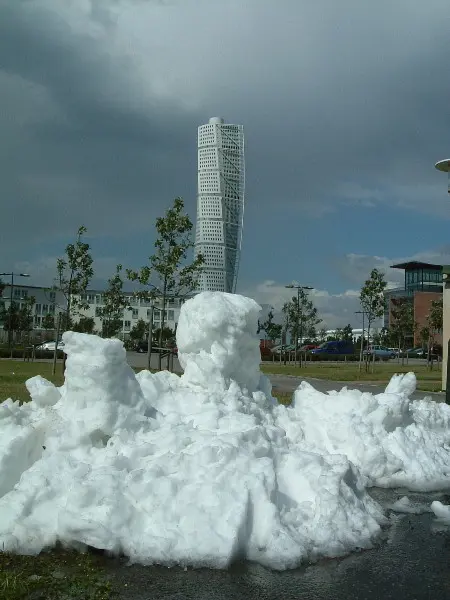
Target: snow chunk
column 205, row 468
column 394, row 441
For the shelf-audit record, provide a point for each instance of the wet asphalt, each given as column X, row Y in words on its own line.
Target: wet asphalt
column 410, row 561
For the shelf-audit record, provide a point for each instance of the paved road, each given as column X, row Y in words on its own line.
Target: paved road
column 284, row 384
column 410, row 562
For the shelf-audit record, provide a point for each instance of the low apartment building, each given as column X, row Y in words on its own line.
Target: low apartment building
column 46, row 302
column 139, row 309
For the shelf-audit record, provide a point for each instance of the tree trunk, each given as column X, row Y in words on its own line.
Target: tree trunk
column 163, row 320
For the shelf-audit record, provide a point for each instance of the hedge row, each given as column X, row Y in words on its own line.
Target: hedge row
column 318, row 358
column 19, row 353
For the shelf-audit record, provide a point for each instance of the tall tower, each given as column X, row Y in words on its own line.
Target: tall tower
column 220, row 203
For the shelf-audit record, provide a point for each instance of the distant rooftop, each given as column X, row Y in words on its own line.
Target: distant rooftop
column 417, row 265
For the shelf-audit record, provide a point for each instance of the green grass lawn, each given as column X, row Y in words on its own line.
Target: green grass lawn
column 14, row 373
column 382, row 372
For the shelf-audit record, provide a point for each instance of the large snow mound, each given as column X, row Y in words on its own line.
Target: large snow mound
column 207, row 468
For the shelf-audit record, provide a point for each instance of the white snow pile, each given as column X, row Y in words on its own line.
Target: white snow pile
column 206, row 468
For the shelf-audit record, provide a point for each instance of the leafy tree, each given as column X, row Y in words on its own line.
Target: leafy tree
column 322, row 335
column 167, row 274
column 74, row 274
column 84, row 325
column 403, row 324
column 114, row 303
column 434, row 324
column 139, row 331
column 301, row 316
column 347, row 333
column 166, row 335
column 372, row 298
column 272, row 330
column 48, row 322
column 338, row 334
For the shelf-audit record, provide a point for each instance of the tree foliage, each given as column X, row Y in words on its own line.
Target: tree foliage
column 271, row 329
column 84, row 325
column 168, row 274
column 74, row 274
column 18, row 317
column 48, row 322
column 139, row 331
column 113, row 304
column 301, row 316
column 403, row 324
column 372, row 297
column 347, row 333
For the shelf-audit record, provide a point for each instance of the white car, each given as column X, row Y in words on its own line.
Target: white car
column 50, row 346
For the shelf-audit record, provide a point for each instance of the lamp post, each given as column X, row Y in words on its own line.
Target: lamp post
column 444, row 166
column 361, row 312
column 294, row 286
column 12, row 275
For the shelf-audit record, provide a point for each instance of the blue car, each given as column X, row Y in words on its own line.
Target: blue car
column 335, row 347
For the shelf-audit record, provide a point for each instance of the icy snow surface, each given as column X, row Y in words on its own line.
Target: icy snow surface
column 206, row 468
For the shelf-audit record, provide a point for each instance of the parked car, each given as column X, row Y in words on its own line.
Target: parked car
column 418, row 353
column 379, row 352
column 334, row 347
column 50, row 346
column 308, row 347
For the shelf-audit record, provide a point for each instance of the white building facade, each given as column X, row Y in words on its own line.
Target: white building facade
column 140, row 309
column 220, row 203
column 47, row 304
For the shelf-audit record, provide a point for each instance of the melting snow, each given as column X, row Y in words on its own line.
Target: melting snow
column 207, row 468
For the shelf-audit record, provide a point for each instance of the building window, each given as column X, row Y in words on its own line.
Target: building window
column 44, row 309
column 135, row 313
column 91, row 298
column 127, row 325
column 170, row 315
column 37, row 309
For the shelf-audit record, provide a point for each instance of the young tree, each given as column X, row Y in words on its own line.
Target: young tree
column 167, row 336
column 403, row 324
column 74, row 274
column 139, row 331
column 372, row 299
column 167, row 274
column 84, row 325
column 339, row 334
column 301, row 316
column 48, row 322
column 435, row 324
column 114, row 303
column 272, row 330
column 322, row 335
column 347, row 333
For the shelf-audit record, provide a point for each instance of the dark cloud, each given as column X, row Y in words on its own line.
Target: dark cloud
column 344, row 104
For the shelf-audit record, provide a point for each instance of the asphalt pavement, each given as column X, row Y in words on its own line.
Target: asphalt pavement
column 409, row 562
column 286, row 384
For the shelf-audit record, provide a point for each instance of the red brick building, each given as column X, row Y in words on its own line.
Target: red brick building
column 423, row 284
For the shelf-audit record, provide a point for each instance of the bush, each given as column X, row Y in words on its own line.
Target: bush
column 19, row 352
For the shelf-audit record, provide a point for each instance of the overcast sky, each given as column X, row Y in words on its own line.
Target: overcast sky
column 345, row 107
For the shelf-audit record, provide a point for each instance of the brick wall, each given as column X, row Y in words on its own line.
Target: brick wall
column 422, row 304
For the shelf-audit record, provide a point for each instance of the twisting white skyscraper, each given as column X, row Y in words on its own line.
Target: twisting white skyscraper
column 220, row 203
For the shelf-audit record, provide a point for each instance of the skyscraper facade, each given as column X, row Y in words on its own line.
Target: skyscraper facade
column 220, row 203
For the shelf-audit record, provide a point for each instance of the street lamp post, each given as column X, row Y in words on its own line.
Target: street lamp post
column 12, row 275
column 293, row 286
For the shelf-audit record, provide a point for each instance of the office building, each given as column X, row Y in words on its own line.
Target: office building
column 220, row 203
